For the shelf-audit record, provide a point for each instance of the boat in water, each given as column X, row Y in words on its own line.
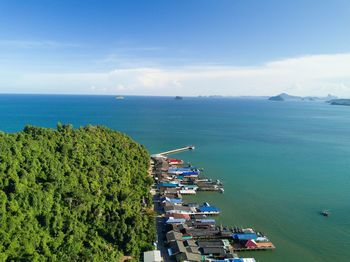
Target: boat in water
column 325, row 213
column 179, row 97
column 119, row 97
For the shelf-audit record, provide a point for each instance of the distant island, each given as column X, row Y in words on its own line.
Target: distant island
column 179, row 97
column 340, row 102
column 286, row 97
column 74, row 195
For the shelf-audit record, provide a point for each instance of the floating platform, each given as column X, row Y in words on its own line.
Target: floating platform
column 260, row 246
column 208, row 189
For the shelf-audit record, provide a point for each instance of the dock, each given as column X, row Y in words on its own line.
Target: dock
column 259, row 246
column 177, row 150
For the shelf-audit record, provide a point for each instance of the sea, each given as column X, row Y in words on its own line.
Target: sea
column 281, row 163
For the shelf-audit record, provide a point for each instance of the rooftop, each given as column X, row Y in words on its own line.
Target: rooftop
column 208, row 209
column 152, row 256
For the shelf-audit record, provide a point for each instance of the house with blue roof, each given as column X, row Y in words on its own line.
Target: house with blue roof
column 209, row 210
column 183, row 170
column 171, row 220
column 190, row 174
column 167, row 185
column 244, row 236
column 236, row 260
column 171, row 200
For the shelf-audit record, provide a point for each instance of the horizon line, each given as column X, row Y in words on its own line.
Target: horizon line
column 195, row 96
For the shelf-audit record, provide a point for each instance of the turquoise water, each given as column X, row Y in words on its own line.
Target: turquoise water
column 281, row 162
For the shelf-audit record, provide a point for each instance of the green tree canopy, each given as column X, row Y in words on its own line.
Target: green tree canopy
column 73, row 195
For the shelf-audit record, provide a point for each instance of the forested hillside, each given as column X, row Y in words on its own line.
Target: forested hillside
column 73, row 195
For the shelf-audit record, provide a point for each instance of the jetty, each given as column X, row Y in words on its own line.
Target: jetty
column 177, row 150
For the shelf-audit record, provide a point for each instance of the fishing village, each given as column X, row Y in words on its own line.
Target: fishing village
column 188, row 231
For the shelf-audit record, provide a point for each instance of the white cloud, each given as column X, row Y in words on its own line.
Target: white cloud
column 121, row 87
column 306, row 75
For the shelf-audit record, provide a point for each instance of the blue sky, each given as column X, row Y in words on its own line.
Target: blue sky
column 171, row 47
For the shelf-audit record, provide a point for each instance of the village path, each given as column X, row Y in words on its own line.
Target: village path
column 160, row 230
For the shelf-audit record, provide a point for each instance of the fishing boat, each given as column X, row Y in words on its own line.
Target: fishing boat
column 325, row 213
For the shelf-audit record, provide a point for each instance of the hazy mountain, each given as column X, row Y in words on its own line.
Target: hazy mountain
column 340, row 102
column 286, row 97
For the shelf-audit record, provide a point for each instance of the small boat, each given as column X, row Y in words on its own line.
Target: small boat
column 325, row 213
column 119, row 97
column 179, row 97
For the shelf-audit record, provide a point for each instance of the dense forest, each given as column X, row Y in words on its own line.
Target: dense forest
column 73, row 195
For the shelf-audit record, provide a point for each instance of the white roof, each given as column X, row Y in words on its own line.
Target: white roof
column 152, row 256
column 158, row 156
column 188, row 191
column 249, row 260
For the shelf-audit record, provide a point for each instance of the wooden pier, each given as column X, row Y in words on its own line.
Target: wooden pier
column 178, row 150
column 208, row 189
column 260, row 246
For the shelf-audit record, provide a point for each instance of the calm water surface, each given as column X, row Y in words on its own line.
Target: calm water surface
column 281, row 162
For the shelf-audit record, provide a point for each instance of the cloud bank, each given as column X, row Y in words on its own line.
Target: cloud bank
column 305, row 75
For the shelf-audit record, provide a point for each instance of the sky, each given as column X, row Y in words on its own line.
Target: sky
column 182, row 47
